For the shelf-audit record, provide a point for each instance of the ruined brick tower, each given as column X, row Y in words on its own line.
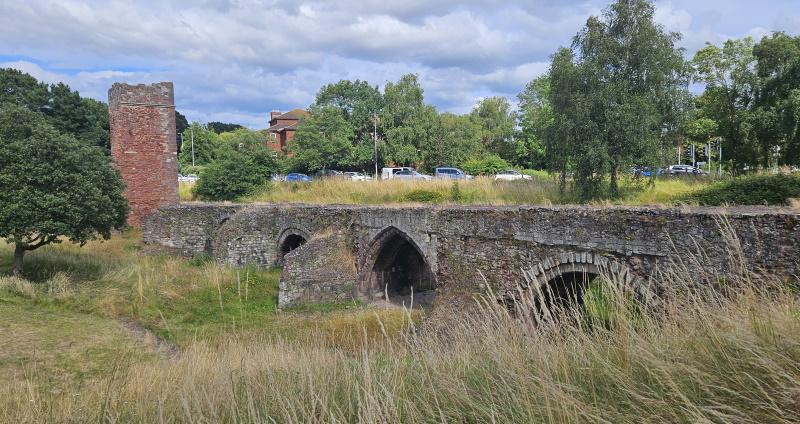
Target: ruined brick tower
column 143, row 145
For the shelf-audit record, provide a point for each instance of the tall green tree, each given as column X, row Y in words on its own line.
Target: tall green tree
column 455, row 139
column 778, row 97
column 83, row 118
column 408, row 122
column 324, row 141
column 200, row 145
column 360, row 104
column 497, row 123
column 221, row 127
column 535, row 117
column 54, row 186
column 627, row 89
column 731, row 84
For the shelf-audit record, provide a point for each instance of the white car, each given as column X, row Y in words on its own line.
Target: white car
column 187, row 178
column 357, row 176
column 511, row 175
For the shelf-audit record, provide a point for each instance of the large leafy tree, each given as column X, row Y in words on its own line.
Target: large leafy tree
column 456, row 138
column 84, row 119
column 200, row 145
column 535, row 117
column 359, row 105
column 54, row 186
column 731, row 83
column 324, row 141
column 778, row 99
column 408, row 122
column 618, row 97
column 497, row 123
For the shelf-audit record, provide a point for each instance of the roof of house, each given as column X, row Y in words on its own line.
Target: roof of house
column 286, row 126
column 292, row 114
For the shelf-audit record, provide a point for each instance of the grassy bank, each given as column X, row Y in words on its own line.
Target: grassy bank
column 481, row 191
column 699, row 357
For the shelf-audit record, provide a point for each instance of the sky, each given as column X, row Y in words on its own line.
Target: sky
column 235, row 61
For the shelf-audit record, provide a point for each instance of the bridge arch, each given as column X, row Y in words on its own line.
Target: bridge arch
column 392, row 263
column 561, row 281
column 290, row 238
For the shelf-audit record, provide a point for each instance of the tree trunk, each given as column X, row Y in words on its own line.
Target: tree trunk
column 19, row 253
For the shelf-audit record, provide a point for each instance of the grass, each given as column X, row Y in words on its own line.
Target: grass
column 700, row 355
column 541, row 190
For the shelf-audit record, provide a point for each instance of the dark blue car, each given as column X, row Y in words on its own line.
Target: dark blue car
column 297, row 177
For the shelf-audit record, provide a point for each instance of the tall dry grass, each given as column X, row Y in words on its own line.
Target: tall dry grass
column 713, row 350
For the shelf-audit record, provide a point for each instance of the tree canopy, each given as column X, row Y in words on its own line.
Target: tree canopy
column 618, row 97
column 83, row 118
column 54, row 186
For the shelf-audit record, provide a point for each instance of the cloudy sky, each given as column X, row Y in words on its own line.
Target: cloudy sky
column 236, row 60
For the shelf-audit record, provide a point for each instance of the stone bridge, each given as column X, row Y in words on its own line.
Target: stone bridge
column 341, row 253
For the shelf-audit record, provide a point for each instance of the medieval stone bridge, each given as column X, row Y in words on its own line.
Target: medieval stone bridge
column 339, row 253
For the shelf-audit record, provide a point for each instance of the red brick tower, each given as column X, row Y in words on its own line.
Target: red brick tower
column 142, row 121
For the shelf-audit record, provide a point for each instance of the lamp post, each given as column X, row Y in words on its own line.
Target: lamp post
column 192, row 129
column 375, row 140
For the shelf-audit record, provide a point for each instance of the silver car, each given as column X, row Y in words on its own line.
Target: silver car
column 410, row 174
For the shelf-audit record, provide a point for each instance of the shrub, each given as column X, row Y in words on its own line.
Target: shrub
column 759, row 189
column 423, row 196
column 489, row 164
column 235, row 174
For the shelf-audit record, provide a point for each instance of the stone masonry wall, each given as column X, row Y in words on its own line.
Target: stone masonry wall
column 469, row 247
column 143, row 144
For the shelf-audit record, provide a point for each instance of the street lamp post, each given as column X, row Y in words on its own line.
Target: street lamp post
column 375, row 140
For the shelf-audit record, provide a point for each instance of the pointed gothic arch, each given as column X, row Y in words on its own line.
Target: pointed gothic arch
column 393, row 264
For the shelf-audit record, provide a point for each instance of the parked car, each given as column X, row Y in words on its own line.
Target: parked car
column 410, row 174
column 451, row 173
column 329, row 173
column 190, row 178
column 685, row 170
column 295, row 176
column 390, row 172
column 357, row 176
column 512, row 175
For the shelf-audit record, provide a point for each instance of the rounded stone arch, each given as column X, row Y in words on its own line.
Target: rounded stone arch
column 393, row 264
column 290, row 238
column 561, row 280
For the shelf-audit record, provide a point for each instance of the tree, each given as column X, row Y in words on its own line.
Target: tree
column 407, row 121
column 219, row 127
column 359, row 104
column 619, row 97
column 200, row 145
column 497, row 124
column 455, row 139
column 731, row 84
column 535, row 117
column 66, row 110
column 324, row 140
column 181, row 125
column 54, row 186
column 239, row 171
column 778, row 97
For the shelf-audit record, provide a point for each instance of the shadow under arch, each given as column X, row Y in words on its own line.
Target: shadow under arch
column 559, row 283
column 290, row 239
column 393, row 264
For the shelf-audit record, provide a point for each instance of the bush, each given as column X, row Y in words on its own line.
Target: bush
column 760, row 189
column 235, row 174
column 489, row 164
column 423, row 196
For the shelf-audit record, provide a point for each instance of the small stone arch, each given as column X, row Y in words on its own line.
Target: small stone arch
column 290, row 239
column 393, row 264
column 560, row 280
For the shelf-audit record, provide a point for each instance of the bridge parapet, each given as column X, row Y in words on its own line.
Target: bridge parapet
column 466, row 247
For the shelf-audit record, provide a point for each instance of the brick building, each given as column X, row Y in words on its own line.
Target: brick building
column 282, row 127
